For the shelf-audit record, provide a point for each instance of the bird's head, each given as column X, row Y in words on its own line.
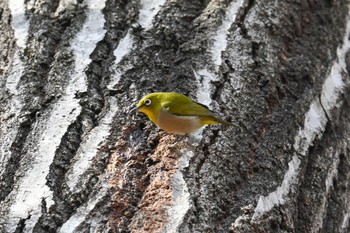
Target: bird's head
column 150, row 105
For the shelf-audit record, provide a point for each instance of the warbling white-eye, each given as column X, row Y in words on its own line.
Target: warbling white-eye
column 176, row 113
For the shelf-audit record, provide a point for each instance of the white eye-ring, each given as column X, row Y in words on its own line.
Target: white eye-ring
column 148, row 102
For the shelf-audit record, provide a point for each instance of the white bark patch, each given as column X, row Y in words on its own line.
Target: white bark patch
column 65, row 4
column 12, row 81
column 204, row 78
column 83, row 45
column 181, row 196
column 331, row 175
column 149, row 9
column 345, row 222
column 333, row 171
column 220, row 38
column 20, row 27
column 315, row 121
column 278, row 197
column 32, row 187
column 124, row 47
column 81, row 214
column 19, row 22
column 147, row 12
column 9, row 133
column 314, row 125
column 88, row 150
column 91, row 33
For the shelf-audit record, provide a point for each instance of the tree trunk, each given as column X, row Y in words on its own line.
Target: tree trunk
column 73, row 159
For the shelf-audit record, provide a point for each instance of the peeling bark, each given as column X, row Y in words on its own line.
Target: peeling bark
column 72, row 158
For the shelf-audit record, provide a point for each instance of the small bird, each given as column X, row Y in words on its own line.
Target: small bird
column 176, row 113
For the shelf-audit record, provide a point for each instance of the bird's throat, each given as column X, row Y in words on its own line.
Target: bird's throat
column 152, row 115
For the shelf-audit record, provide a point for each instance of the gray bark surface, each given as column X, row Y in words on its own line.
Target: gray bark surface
column 74, row 160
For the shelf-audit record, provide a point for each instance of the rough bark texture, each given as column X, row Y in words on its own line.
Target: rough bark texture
column 74, row 160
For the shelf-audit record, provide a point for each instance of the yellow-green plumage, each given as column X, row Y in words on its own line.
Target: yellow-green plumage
column 176, row 113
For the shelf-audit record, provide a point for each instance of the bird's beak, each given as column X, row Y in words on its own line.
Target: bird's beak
column 133, row 110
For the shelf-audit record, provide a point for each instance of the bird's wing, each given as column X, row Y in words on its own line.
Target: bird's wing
column 187, row 108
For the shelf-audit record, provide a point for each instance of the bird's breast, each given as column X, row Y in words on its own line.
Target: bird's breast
column 178, row 124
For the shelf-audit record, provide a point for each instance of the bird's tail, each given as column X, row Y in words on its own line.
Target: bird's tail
column 209, row 120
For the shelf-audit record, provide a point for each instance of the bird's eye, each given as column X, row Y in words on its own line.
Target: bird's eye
column 148, row 102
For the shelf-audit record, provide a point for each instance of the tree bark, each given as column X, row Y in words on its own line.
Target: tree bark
column 73, row 159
